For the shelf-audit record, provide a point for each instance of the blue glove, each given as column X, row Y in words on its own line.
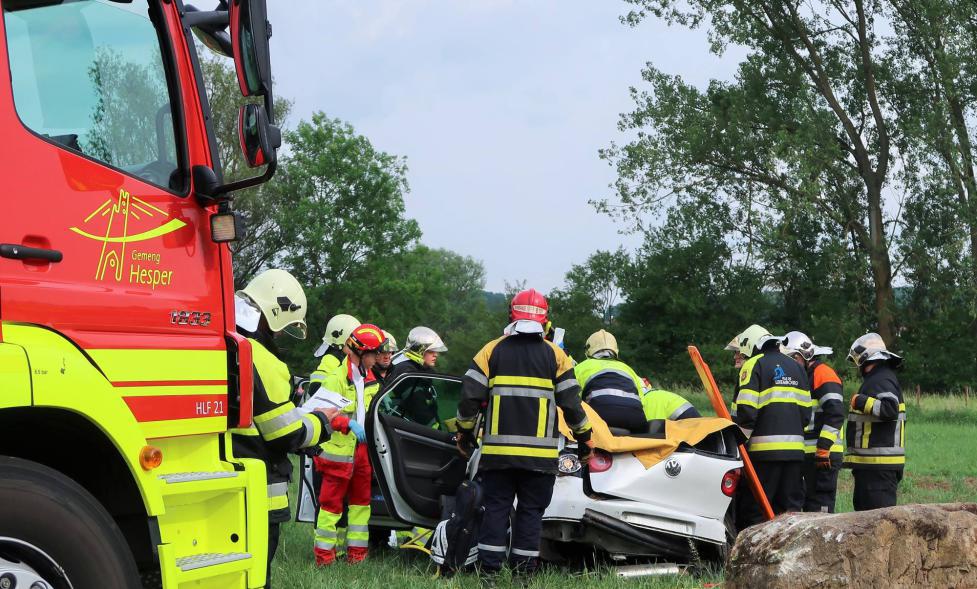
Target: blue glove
column 358, row 431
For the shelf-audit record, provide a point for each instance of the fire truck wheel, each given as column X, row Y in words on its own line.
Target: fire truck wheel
column 54, row 531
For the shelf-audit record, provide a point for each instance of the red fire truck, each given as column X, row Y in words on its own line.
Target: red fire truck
column 120, row 368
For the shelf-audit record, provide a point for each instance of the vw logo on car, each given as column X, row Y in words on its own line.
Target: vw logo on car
column 673, row 468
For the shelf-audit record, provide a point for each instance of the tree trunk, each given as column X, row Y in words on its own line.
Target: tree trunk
column 878, row 250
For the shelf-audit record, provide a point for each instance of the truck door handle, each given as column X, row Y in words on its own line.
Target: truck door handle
column 22, row 252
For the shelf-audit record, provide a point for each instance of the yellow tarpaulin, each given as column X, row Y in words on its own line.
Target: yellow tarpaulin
column 650, row 451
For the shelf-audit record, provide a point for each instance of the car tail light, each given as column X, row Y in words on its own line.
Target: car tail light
column 731, row 480
column 600, row 461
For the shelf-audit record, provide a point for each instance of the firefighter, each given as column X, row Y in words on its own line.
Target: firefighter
column 271, row 304
column 520, row 379
column 383, row 365
column 344, row 461
column 420, row 354
column 773, row 406
column 738, row 357
column 876, row 430
column 338, row 329
column 822, row 438
column 660, row 404
column 610, row 386
column 418, row 403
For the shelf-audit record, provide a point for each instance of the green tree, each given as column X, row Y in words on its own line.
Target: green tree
column 685, row 286
column 588, row 299
column 936, row 98
column 804, row 121
column 263, row 238
column 342, row 201
column 436, row 288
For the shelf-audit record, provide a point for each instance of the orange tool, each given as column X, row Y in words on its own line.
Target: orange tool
column 709, row 383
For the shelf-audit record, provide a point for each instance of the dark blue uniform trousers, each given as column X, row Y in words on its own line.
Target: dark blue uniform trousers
column 532, row 492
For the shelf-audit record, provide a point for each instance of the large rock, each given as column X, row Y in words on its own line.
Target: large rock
column 904, row 546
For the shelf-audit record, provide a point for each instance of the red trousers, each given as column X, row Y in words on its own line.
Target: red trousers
column 349, row 483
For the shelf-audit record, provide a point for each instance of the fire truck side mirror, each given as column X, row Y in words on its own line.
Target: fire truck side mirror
column 250, row 32
column 259, row 140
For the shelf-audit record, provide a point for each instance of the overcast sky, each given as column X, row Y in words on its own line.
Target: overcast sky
column 499, row 106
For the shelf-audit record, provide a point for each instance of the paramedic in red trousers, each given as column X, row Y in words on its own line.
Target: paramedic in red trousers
column 519, row 379
column 823, row 451
column 344, row 461
column 876, row 431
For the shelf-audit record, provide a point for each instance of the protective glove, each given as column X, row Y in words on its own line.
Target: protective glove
column 465, row 440
column 340, row 424
column 585, row 452
column 585, row 446
column 822, row 459
column 358, row 430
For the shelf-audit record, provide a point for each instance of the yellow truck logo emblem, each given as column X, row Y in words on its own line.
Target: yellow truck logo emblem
column 116, row 214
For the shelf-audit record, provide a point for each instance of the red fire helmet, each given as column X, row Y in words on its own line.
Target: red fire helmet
column 529, row 304
column 366, row 338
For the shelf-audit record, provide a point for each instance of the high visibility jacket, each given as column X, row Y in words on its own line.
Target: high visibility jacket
column 341, row 447
column 330, row 361
column 279, row 428
column 829, row 410
column 876, row 430
column 521, row 379
column 659, row 404
column 773, row 406
column 610, row 381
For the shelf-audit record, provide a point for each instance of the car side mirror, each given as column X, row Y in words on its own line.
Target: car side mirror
column 259, row 139
column 250, row 32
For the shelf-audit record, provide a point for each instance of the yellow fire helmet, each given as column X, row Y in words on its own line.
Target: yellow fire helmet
column 753, row 338
column 338, row 329
column 600, row 341
column 281, row 299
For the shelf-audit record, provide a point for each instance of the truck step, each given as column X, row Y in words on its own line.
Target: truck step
column 199, row 561
column 187, row 477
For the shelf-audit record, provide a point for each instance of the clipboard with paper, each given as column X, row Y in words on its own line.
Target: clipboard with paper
column 325, row 399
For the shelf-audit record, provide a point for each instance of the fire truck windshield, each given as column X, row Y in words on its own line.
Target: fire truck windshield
column 90, row 76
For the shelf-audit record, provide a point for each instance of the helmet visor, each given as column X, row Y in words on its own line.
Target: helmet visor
column 296, row 329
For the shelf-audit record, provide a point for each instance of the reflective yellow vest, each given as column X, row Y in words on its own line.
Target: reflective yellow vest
column 279, row 428
column 659, row 404
column 607, row 376
column 341, row 447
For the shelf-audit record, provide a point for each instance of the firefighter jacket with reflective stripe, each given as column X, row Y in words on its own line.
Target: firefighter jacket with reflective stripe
column 824, row 430
column 773, row 406
column 520, row 380
column 659, row 404
column 330, row 361
column 876, row 430
column 279, row 428
column 341, row 447
column 608, row 381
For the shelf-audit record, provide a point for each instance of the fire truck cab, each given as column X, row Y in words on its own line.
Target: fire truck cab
column 120, row 368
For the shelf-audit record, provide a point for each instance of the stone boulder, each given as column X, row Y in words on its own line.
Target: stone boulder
column 892, row 548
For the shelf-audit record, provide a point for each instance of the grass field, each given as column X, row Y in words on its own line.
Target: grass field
column 941, row 467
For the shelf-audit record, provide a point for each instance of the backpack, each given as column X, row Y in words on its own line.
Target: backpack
column 454, row 543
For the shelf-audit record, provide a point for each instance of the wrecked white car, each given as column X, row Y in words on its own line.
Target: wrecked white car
column 677, row 510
